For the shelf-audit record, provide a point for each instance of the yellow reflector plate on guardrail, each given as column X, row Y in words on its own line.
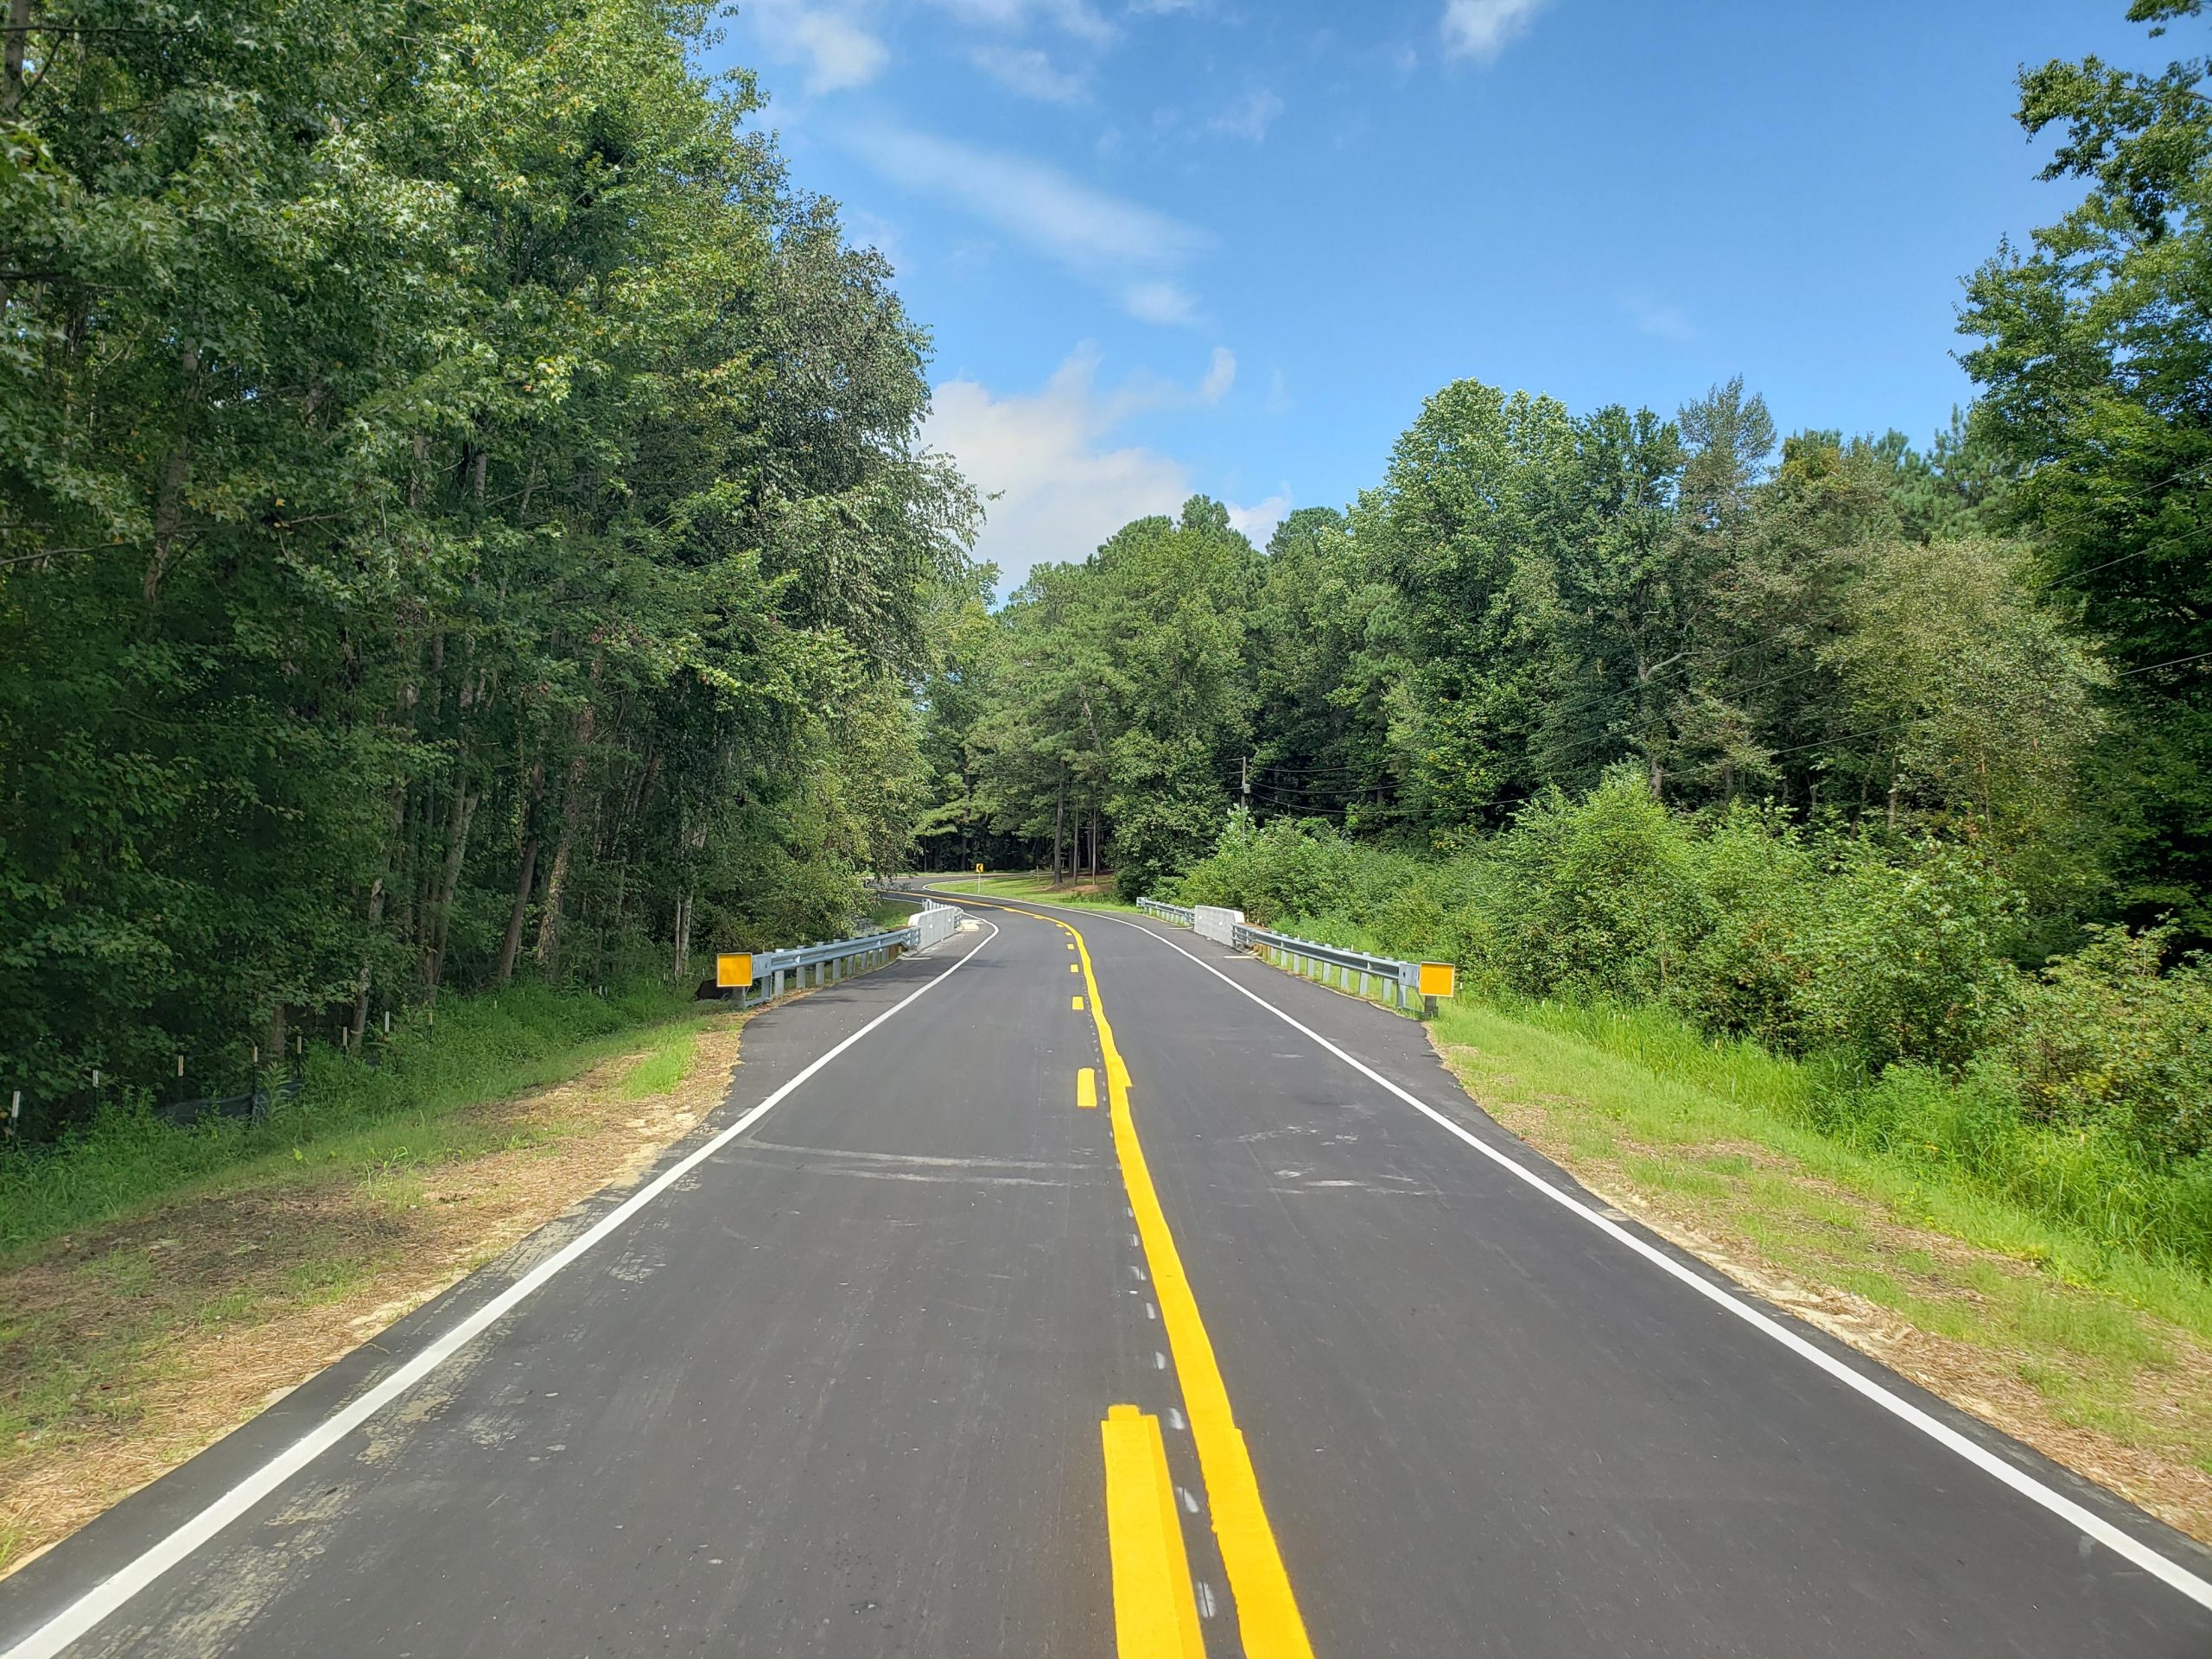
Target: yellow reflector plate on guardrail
column 1437, row 978
column 733, row 970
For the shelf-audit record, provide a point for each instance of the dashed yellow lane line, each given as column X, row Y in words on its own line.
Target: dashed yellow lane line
column 1156, row 1615
column 1086, row 1087
column 1267, row 1610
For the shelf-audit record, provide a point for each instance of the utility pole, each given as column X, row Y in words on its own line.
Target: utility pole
column 1244, row 780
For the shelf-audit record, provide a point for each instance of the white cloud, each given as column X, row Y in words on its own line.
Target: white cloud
column 1220, row 375
column 1163, row 302
column 1030, row 73
column 1258, row 520
column 1063, row 485
column 1483, row 28
column 1661, row 322
column 1249, row 117
column 1120, row 245
column 1014, row 17
column 836, row 51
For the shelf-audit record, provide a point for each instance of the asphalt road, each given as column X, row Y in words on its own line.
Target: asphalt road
column 832, row 1382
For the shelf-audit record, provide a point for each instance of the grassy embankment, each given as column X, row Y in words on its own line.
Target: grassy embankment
column 161, row 1284
column 2097, row 1354
column 1083, row 893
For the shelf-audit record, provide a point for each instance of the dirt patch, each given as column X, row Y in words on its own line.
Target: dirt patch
column 2107, row 1390
column 124, row 1350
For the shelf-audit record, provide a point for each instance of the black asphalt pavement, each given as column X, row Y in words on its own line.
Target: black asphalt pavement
column 837, row 1389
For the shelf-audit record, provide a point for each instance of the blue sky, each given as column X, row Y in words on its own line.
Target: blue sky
column 1167, row 245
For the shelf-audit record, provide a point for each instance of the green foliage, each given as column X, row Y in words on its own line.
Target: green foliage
column 1283, row 869
column 2095, row 354
column 464, row 514
column 1596, row 897
column 1724, row 945
column 1880, row 953
column 116, row 1162
column 1900, row 958
column 1114, row 693
column 2111, row 1041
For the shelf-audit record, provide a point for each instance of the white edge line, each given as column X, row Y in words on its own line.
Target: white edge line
column 84, row 1614
column 2169, row 1572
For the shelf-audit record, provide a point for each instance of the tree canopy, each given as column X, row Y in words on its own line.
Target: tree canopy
column 464, row 510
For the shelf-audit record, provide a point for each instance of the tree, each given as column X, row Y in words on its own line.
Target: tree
column 465, row 514
column 2095, row 354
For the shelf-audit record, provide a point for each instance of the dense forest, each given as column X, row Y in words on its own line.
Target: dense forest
column 463, row 519
column 462, row 515
column 1891, row 755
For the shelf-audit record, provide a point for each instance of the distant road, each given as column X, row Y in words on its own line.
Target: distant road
column 841, row 1379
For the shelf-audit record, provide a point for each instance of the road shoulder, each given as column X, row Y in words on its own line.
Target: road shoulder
column 2080, row 1371
column 129, row 1349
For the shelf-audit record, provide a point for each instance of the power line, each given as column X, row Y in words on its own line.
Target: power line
column 2061, row 578
column 1877, row 731
column 2175, row 662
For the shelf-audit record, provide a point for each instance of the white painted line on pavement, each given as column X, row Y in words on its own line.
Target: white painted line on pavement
column 2169, row 1572
column 109, row 1596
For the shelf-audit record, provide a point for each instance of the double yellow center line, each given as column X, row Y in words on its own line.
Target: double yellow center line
column 1149, row 1619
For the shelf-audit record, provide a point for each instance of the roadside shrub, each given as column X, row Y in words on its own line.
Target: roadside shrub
column 2104, row 1040
column 1597, row 897
column 1289, row 868
column 1902, row 961
column 1719, row 947
column 1743, row 975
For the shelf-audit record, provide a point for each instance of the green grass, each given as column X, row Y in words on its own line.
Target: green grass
column 405, row 1114
column 1035, row 886
column 661, row 1066
column 1690, row 1108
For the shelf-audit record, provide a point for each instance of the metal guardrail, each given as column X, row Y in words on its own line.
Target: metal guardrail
column 935, row 921
column 1398, row 983
column 776, row 971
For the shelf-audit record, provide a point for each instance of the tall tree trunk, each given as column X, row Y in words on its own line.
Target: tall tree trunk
column 361, row 991
column 375, row 911
column 464, row 813
column 11, row 81
column 1059, row 815
column 169, row 504
column 519, row 911
column 512, row 947
column 276, row 1050
column 1094, row 843
column 683, row 935
column 546, row 950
